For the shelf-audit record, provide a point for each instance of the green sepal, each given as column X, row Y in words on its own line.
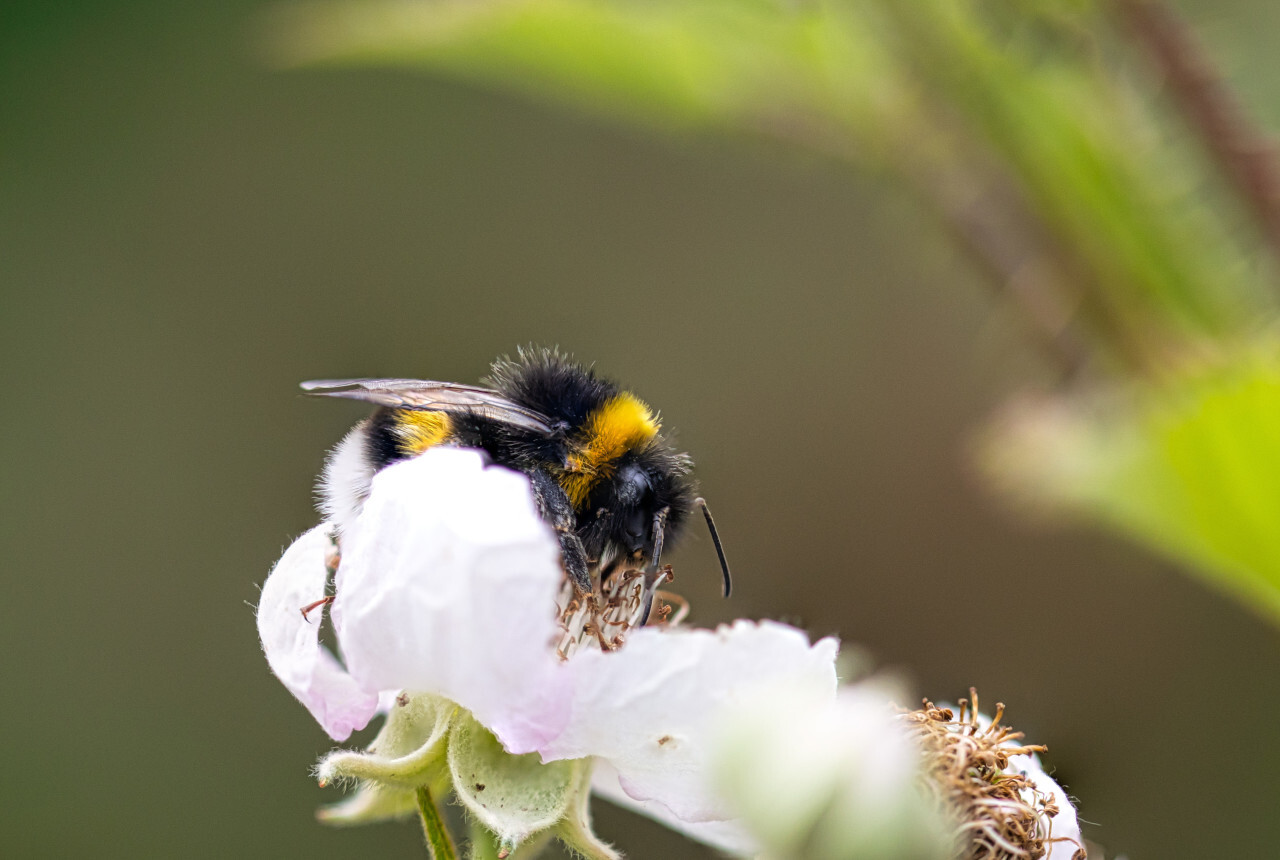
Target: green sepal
column 574, row 830
column 370, row 802
column 514, row 797
column 484, row 845
column 409, row 750
column 517, row 804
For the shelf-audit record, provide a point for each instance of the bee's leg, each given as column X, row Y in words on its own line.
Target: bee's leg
column 556, row 509
column 324, row 601
column 575, row 560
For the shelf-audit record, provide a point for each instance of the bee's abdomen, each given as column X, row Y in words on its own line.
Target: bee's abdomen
column 420, row 429
column 397, row 434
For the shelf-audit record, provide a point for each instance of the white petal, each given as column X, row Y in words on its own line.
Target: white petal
column 447, row 585
column 728, row 836
column 647, row 707
column 292, row 642
column 1064, row 826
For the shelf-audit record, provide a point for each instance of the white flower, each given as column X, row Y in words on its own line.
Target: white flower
column 448, row 585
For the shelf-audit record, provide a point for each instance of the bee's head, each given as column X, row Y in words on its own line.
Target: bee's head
column 630, row 488
column 649, row 497
column 652, row 496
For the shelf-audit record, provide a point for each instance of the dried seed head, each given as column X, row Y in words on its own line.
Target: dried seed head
column 1000, row 812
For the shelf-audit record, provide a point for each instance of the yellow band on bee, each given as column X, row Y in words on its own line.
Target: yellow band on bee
column 620, row 425
column 420, row 429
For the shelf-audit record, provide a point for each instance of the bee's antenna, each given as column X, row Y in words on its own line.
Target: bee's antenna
column 715, row 538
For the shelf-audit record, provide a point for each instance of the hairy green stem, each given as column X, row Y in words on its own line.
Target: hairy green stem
column 439, row 843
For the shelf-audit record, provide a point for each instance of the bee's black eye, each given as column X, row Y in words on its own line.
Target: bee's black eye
column 632, row 485
column 635, row 531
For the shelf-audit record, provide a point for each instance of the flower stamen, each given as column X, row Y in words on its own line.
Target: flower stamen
column 1000, row 813
column 682, row 607
column 603, row 618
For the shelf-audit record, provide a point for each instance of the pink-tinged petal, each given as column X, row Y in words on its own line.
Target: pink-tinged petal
column 292, row 642
column 447, row 585
column 728, row 836
column 647, row 707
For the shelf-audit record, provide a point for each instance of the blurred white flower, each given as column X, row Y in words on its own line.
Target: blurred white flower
column 818, row 778
column 448, row 586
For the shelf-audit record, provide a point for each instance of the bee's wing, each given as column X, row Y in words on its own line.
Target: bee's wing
column 439, row 396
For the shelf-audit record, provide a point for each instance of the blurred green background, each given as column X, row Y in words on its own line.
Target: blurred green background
column 185, row 234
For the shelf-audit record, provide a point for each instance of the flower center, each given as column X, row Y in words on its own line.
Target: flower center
column 602, row 618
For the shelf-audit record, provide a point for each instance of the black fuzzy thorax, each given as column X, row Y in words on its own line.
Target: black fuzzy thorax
column 557, row 386
column 553, row 384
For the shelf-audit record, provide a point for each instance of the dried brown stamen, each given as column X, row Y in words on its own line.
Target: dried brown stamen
column 603, row 618
column 1000, row 814
column 681, row 608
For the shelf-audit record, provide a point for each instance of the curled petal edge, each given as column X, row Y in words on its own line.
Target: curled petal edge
column 292, row 643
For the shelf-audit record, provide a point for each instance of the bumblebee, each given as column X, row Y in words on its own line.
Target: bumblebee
column 604, row 477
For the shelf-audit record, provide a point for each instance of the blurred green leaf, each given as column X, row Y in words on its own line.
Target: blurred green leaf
column 703, row 63
column 1017, row 98
column 1123, row 195
column 1188, row 466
